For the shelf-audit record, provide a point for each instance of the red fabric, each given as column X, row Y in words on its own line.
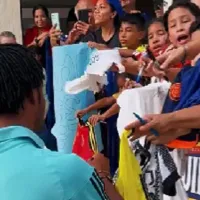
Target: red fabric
column 32, row 33
column 81, row 146
column 180, row 65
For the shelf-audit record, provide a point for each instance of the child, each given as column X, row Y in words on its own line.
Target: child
column 157, row 42
column 131, row 36
column 157, row 37
column 123, row 80
column 178, row 20
column 132, row 31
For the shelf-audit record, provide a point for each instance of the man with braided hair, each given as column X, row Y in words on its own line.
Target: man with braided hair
column 28, row 171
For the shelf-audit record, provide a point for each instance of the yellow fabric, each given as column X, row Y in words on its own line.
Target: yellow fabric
column 128, row 182
column 116, row 95
column 93, row 141
column 141, row 48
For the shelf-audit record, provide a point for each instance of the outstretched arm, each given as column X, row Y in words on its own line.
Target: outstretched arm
column 109, row 113
column 102, row 103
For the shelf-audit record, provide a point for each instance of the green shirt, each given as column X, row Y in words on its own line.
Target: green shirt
column 30, row 172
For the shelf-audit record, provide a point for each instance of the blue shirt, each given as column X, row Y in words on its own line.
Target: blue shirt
column 29, row 172
column 185, row 93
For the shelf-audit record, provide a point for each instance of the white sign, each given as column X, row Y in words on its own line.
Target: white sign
column 191, row 179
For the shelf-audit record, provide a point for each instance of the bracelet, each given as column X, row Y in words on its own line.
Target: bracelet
column 108, row 178
column 184, row 55
column 106, row 175
column 103, row 172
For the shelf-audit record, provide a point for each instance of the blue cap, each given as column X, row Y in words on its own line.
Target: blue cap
column 117, row 5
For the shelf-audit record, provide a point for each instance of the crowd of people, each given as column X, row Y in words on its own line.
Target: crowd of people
column 160, row 48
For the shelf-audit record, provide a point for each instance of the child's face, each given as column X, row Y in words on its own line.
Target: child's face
column 130, row 36
column 157, row 37
column 179, row 22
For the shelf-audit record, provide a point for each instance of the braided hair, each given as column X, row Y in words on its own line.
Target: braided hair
column 20, row 74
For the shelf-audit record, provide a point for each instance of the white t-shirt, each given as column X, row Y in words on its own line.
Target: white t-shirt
column 145, row 100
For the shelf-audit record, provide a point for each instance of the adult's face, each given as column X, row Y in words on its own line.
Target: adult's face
column 40, row 18
column 103, row 13
column 7, row 40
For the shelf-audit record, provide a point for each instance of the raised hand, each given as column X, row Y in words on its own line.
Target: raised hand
column 54, row 35
column 82, row 27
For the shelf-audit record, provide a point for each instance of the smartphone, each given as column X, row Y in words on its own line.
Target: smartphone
column 55, row 20
column 83, row 15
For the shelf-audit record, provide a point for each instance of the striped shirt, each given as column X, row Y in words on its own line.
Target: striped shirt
column 31, row 172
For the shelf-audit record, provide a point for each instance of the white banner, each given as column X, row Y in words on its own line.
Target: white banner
column 192, row 177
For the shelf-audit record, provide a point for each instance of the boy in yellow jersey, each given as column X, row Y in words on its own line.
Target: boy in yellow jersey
column 132, row 31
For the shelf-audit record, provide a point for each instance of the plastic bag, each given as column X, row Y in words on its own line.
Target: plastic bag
column 85, row 143
column 128, row 182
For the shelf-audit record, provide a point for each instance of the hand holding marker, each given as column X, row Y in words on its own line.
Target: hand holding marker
column 143, row 122
column 156, row 64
